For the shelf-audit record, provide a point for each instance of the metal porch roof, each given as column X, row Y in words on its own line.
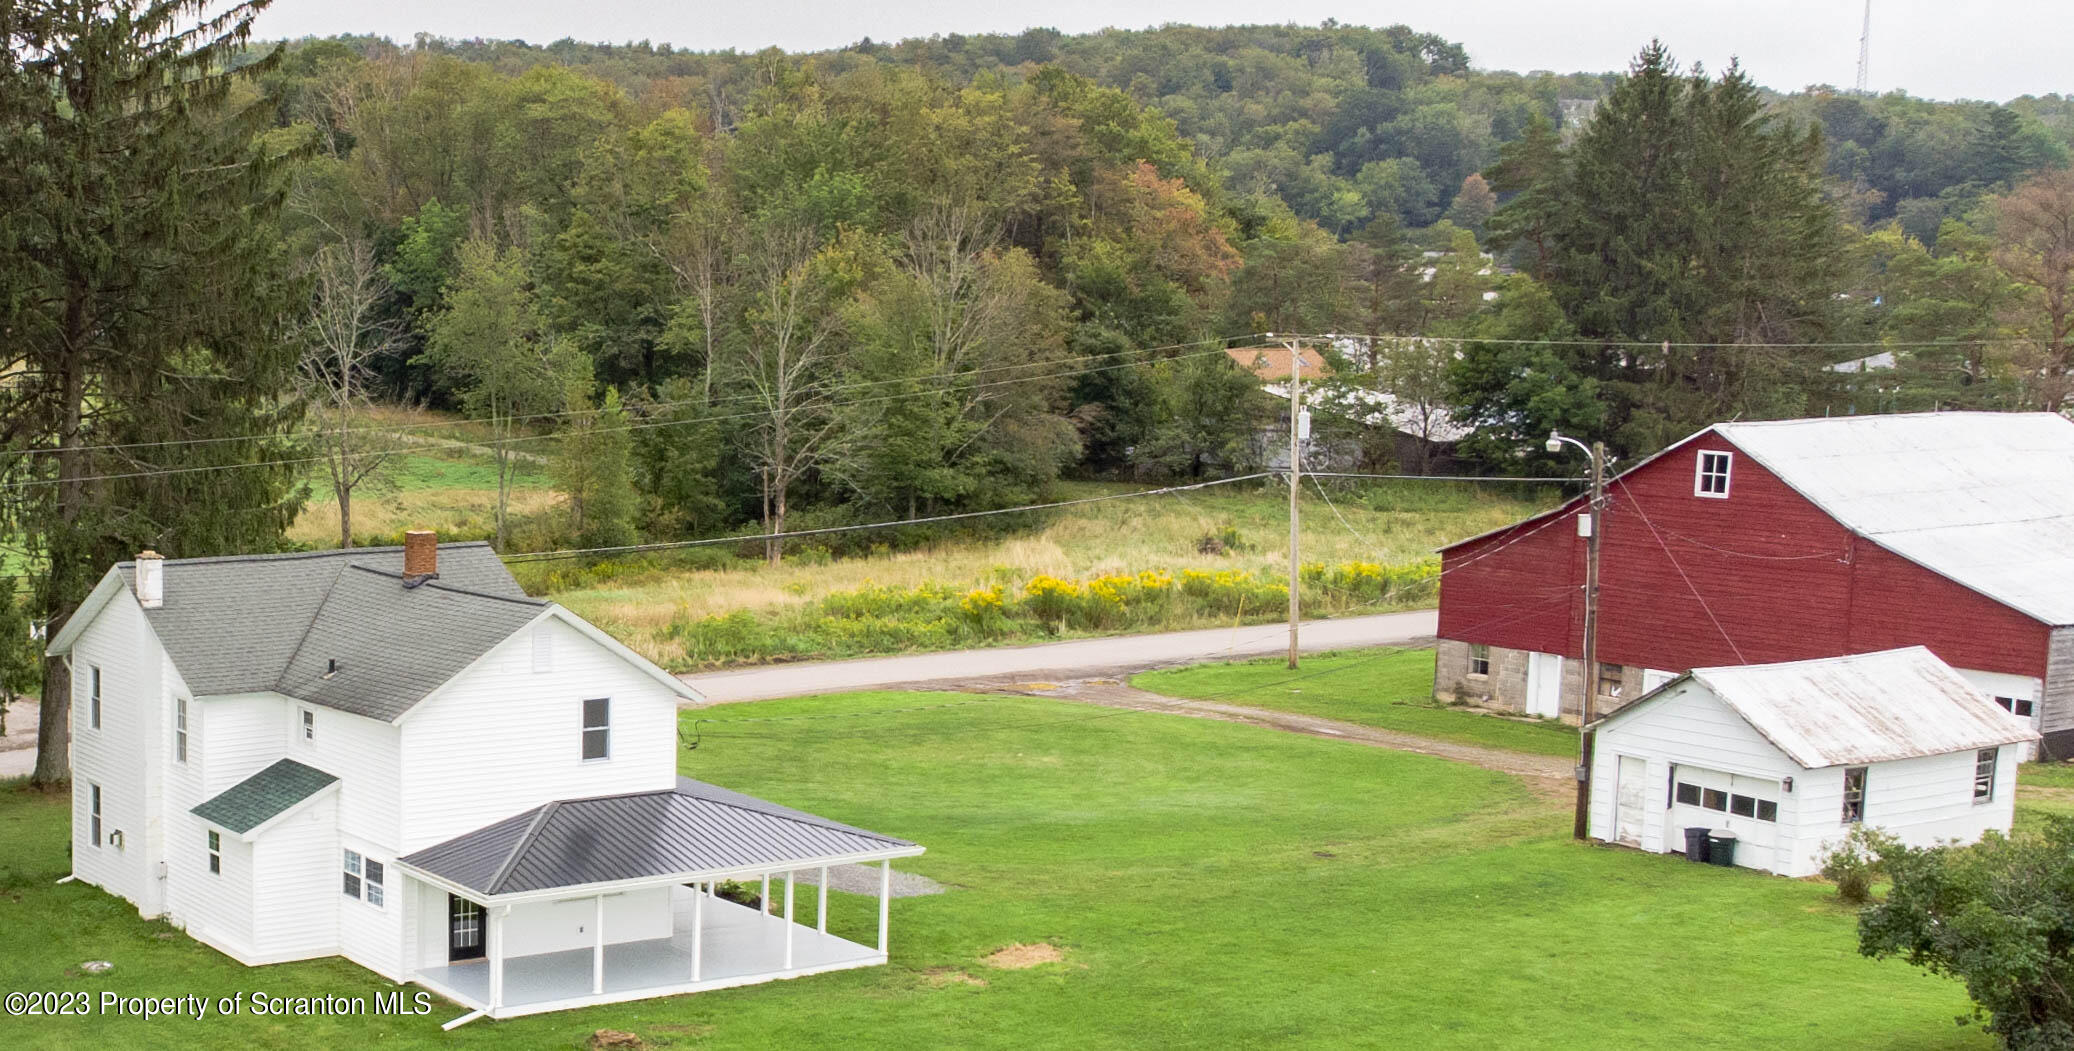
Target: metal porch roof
column 693, row 828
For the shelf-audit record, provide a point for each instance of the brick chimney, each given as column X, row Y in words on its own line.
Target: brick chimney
column 151, row 579
column 420, row 556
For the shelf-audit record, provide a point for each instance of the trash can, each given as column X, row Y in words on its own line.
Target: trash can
column 1721, row 849
column 1696, row 843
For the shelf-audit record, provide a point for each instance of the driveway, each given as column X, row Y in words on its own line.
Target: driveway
column 1078, row 659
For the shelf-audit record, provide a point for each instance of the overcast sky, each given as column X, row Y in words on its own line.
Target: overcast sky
column 1993, row 49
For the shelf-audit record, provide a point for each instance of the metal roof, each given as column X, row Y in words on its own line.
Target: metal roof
column 258, row 799
column 1984, row 498
column 1866, row 708
column 691, row 829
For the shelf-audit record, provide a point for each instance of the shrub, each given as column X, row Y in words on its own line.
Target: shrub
column 1854, row 863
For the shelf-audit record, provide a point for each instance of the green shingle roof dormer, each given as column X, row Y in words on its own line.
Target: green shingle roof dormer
column 265, row 795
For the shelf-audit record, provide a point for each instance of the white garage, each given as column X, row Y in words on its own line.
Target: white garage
column 1787, row 757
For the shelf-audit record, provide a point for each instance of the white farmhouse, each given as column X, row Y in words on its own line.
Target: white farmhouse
column 395, row 755
column 1788, row 757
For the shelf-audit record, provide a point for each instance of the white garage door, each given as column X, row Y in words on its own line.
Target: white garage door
column 1725, row 802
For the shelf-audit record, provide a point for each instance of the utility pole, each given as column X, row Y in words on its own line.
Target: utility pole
column 1295, row 465
column 1865, row 48
column 1590, row 525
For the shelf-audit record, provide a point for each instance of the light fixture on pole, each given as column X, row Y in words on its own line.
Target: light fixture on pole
column 1588, row 526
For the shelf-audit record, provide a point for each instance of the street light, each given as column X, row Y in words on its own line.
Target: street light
column 1588, row 527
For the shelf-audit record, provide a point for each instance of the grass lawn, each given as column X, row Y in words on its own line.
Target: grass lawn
column 1389, row 689
column 1210, row 884
column 451, row 492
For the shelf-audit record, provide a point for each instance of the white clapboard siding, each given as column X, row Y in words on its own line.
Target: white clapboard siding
column 368, row 935
column 238, row 736
column 1687, row 726
column 120, row 756
column 215, row 908
column 296, row 884
column 502, row 738
column 363, row 754
column 554, row 926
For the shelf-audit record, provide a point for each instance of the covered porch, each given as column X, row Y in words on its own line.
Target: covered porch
column 614, row 898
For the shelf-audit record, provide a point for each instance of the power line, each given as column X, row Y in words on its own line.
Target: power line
column 628, row 549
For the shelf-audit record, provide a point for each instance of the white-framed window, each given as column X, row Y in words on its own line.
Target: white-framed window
column 1711, row 477
column 371, row 886
column 1854, row 795
column 93, row 810
column 180, row 730
column 1984, row 774
column 2018, row 706
column 363, row 878
column 351, row 884
column 93, row 695
column 597, row 729
column 215, row 853
column 1479, row 659
column 306, row 725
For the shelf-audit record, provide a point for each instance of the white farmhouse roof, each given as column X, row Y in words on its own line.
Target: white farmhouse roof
column 1984, row 498
column 1867, row 708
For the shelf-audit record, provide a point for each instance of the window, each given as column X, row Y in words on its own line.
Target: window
column 597, row 729
column 352, row 881
column 2019, row 706
column 1742, row 806
column 374, row 883
column 180, row 730
column 215, row 853
column 1688, row 794
column 1984, row 774
column 94, row 810
column 1612, row 680
column 1712, row 479
column 309, row 725
column 93, row 695
column 363, row 879
column 1714, row 799
column 1479, row 659
column 1854, row 795
column 1767, row 810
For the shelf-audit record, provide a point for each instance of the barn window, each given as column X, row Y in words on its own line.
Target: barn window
column 1612, row 680
column 1984, row 774
column 215, row 853
column 1712, row 477
column 1479, row 659
column 93, row 695
column 2019, row 706
column 597, row 729
column 180, row 729
column 1854, row 795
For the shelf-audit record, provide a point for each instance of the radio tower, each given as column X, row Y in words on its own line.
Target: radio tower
column 1865, row 47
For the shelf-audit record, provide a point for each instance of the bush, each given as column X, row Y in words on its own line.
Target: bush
column 1854, row 864
column 1998, row 915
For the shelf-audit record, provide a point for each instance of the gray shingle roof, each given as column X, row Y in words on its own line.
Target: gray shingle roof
column 252, row 802
column 259, row 623
column 693, row 828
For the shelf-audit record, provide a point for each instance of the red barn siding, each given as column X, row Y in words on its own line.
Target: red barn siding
column 1690, row 581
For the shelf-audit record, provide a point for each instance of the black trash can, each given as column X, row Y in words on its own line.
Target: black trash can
column 1721, row 849
column 1696, row 843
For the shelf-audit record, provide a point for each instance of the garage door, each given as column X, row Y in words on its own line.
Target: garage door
column 1725, row 802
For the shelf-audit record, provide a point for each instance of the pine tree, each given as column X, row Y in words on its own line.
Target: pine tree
column 144, row 297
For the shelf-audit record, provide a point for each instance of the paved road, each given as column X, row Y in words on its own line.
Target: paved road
column 1080, row 658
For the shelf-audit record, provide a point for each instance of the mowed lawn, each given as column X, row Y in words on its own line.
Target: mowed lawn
column 1386, row 688
column 1210, row 884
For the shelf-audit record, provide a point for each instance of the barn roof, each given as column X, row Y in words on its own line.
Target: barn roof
column 691, row 829
column 1272, row 362
column 1984, row 498
column 1866, row 708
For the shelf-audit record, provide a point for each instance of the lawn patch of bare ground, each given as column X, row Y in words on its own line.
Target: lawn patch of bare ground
column 1019, row 956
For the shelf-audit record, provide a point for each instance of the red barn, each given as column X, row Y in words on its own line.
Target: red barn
column 1754, row 543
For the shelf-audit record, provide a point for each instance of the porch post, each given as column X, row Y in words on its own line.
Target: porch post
column 885, row 901
column 821, row 906
column 496, row 949
column 788, row 919
column 598, row 946
column 698, row 933
column 763, row 901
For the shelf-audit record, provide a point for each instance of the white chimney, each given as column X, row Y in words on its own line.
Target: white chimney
column 151, row 579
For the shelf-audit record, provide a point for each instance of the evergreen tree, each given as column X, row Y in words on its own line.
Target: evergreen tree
column 143, row 294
